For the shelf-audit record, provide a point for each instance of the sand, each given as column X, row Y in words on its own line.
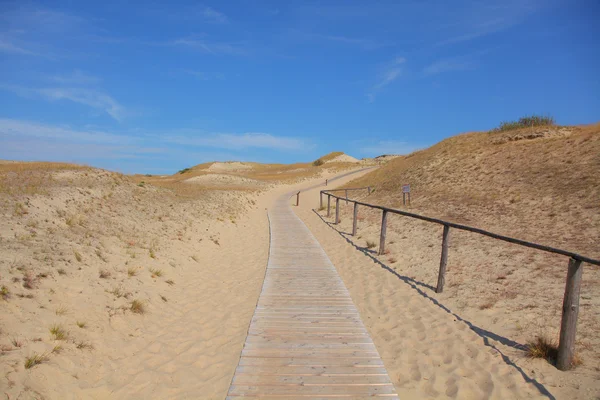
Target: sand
column 224, row 180
column 231, row 166
column 437, row 346
column 78, row 247
column 343, row 158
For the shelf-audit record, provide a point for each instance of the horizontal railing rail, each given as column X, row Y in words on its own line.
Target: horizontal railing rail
column 570, row 309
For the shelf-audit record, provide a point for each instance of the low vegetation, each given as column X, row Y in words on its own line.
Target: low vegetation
column 138, row 307
column 525, row 122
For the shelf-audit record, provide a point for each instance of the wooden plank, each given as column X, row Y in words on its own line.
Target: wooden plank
column 337, row 211
column 570, row 311
column 328, row 206
column 306, row 338
column 443, row 260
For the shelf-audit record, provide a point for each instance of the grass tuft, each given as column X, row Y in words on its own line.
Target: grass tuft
column 62, row 310
column 170, row 282
column 132, row 271
column 137, row 306
column 34, row 360
column 4, row 293
column 156, row 272
column 77, row 256
column 58, row 332
column 371, row 244
column 542, row 347
column 81, row 324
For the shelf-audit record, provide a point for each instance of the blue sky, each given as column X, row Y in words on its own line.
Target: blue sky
column 153, row 88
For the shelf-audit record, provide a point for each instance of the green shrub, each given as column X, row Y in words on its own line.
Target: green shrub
column 318, row 163
column 525, row 122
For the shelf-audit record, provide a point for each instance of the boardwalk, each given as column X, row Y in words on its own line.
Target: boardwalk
column 306, row 339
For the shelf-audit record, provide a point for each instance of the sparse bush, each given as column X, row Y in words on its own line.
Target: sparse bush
column 183, row 171
column 62, row 310
column 81, row 324
column 318, row 162
column 142, row 184
column 132, row 271
column 137, row 306
column 152, row 253
column 525, row 122
column 371, row 245
column 61, row 271
column 17, row 342
column 81, row 345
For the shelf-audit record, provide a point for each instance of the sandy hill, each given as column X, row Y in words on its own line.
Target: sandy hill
column 540, row 184
column 236, row 175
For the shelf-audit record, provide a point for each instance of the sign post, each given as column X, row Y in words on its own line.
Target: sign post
column 405, row 191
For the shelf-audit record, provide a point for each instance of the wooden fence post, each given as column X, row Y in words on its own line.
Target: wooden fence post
column 443, row 260
column 355, row 220
column 346, row 196
column 297, row 199
column 321, row 200
column 570, row 310
column 369, row 188
column 382, row 236
column 328, row 205
column 337, row 211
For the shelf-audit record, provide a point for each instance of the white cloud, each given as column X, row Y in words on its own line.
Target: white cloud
column 392, row 71
column 89, row 97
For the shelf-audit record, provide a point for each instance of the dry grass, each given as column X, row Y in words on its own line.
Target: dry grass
column 170, row 282
column 155, row 272
column 132, row 271
column 81, row 324
column 542, row 347
column 58, row 332
column 29, row 280
column 371, row 244
column 34, row 360
column 138, row 307
column 61, row 310
column 77, row 256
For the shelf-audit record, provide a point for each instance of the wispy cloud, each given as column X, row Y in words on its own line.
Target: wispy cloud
column 76, row 77
column 239, row 141
column 358, row 42
column 391, row 72
column 213, row 15
column 89, row 97
column 486, row 18
column 8, row 47
column 211, row 47
column 448, row 65
column 381, row 147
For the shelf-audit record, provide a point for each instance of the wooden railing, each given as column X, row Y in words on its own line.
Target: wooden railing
column 570, row 308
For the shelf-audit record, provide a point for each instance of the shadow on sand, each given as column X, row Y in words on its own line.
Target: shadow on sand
column 420, row 288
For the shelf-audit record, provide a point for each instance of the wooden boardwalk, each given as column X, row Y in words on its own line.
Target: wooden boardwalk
column 306, row 339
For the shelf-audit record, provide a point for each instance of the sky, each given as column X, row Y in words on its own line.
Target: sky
column 154, row 87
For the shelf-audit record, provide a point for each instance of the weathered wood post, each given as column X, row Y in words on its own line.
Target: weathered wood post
column 570, row 310
column 355, row 219
column 346, row 196
column 321, row 200
column 369, row 188
column 337, row 210
column 443, row 260
column 328, row 205
column 326, row 182
column 297, row 199
column 382, row 236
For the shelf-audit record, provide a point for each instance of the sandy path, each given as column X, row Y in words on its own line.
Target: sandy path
column 427, row 349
